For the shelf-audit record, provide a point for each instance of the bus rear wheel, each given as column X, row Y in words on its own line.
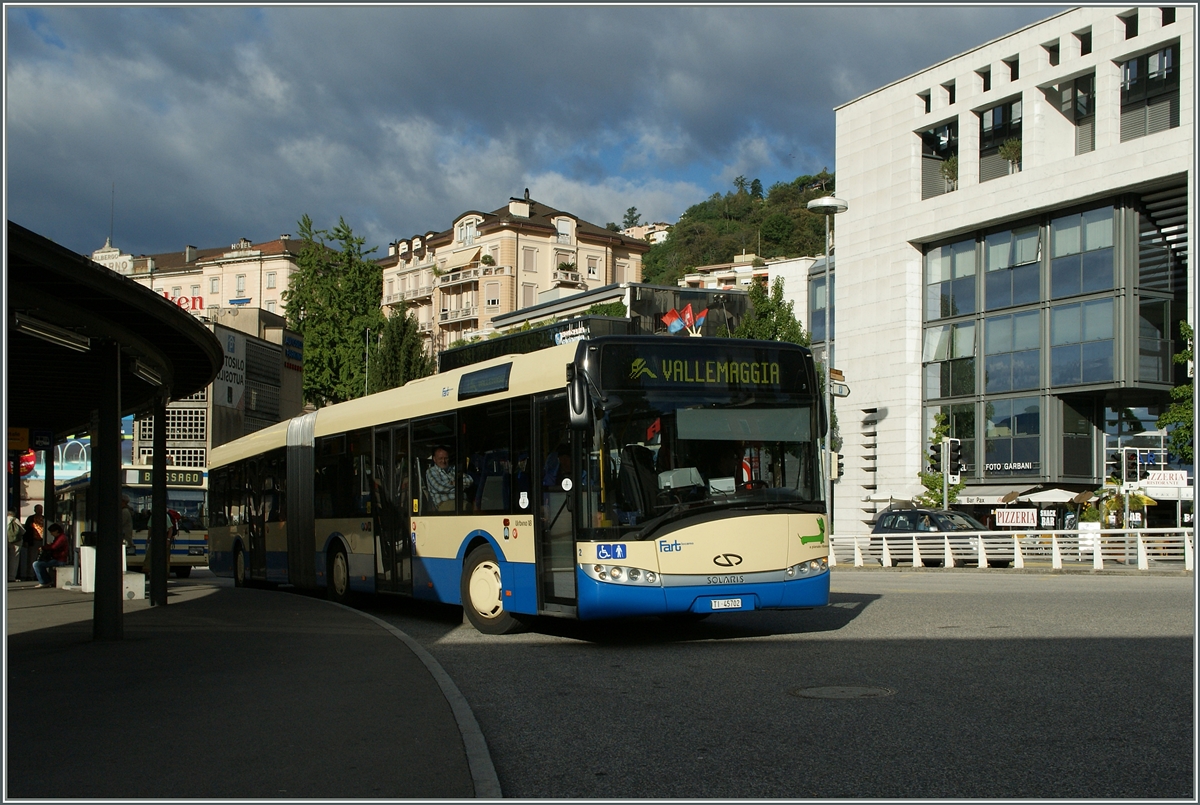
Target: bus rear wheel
column 239, row 568
column 183, row 572
column 338, row 574
column 483, row 594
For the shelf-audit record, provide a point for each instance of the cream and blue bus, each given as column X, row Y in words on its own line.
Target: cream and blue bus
column 613, row 476
column 186, row 497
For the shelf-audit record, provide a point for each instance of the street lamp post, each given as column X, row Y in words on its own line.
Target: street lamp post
column 828, row 206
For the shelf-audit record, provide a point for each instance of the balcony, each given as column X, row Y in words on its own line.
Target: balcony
column 471, row 273
column 418, row 293
column 425, row 327
column 460, row 315
column 566, row 278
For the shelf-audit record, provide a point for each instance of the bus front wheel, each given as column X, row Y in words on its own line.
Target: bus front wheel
column 339, row 576
column 483, row 594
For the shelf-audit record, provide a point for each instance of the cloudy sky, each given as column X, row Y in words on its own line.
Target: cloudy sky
column 219, row 123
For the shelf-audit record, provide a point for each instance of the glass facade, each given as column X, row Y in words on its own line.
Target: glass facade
column 1032, row 330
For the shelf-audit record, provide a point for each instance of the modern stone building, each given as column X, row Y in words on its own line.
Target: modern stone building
column 1016, row 255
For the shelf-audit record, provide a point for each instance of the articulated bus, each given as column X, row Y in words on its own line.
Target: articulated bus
column 186, row 495
column 614, row 476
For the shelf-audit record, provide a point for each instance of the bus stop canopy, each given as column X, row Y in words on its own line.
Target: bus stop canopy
column 59, row 305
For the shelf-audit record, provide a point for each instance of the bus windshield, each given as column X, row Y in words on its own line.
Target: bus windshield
column 188, row 502
column 661, row 456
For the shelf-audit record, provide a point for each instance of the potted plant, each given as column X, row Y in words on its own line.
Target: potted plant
column 950, row 172
column 487, row 260
column 1010, row 150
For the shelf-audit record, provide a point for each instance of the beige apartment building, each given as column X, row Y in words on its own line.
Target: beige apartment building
column 206, row 281
column 489, row 263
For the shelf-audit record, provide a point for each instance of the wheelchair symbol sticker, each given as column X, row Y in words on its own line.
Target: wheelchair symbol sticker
column 613, row 551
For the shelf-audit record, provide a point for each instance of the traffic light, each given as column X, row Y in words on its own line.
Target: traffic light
column 1112, row 464
column 935, row 457
column 1131, row 465
column 841, row 466
column 954, row 463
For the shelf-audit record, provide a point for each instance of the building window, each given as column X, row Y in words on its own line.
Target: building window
column 1131, row 24
column 214, row 285
column 997, row 126
column 1081, row 343
column 1052, row 54
column 563, row 225
column 1085, row 41
column 1078, row 104
column 622, row 272
column 528, row 294
column 1081, row 253
column 949, row 90
column 270, row 279
column 961, row 420
column 593, row 267
column 949, row 358
column 1154, row 343
column 1012, row 267
column 926, row 101
column 816, row 307
column 1013, row 434
column 271, row 306
column 195, row 290
column 1150, row 93
column 1013, row 357
column 391, row 284
column 1014, row 68
column 939, row 159
column 491, row 294
column 950, row 280
column 241, row 284
column 1168, row 15
column 529, row 259
column 176, row 292
column 985, row 78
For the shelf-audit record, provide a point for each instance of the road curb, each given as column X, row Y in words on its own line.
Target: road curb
column 1043, row 571
column 479, row 759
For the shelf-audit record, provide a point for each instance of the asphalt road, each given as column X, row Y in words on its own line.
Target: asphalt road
column 943, row 684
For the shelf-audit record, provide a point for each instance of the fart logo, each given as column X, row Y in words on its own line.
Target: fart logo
column 639, row 369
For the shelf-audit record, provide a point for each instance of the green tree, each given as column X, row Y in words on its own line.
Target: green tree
column 771, row 317
column 334, row 300
column 740, row 184
column 632, row 218
column 1179, row 414
column 932, row 481
column 399, row 355
column 615, row 309
column 756, row 189
column 612, row 226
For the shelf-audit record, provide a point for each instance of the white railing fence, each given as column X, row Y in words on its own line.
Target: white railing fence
column 1145, row 548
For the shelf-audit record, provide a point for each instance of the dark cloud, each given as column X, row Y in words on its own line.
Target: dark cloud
column 218, row 123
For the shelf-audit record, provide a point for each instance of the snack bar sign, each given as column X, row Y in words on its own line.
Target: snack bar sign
column 230, row 384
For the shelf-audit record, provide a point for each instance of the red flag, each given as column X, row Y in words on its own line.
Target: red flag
column 687, row 315
column 654, row 429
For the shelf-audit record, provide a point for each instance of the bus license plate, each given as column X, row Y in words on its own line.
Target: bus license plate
column 727, row 603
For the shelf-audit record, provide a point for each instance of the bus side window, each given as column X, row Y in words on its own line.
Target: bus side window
column 430, row 436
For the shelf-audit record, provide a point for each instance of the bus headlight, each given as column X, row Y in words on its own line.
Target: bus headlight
column 807, row 568
column 621, row 575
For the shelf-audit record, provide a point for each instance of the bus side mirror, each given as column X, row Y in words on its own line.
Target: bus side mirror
column 577, row 399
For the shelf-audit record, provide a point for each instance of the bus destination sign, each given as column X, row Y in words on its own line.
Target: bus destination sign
column 174, row 477
column 628, row 367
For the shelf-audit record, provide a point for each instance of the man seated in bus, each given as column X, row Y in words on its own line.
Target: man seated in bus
column 439, row 480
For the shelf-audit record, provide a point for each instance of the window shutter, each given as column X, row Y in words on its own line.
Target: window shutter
column 1085, row 136
column 991, row 167
column 932, row 181
column 1133, row 123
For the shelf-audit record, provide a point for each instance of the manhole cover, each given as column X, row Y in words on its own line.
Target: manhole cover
column 843, row 692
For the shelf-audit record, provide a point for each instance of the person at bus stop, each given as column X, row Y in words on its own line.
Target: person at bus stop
column 35, row 527
column 56, row 556
column 126, row 523
column 172, row 528
column 439, row 480
column 15, row 532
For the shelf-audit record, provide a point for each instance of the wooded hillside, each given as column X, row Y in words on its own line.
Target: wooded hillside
column 713, row 231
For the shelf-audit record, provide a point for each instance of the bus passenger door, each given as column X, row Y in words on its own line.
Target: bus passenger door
column 393, row 557
column 557, row 486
